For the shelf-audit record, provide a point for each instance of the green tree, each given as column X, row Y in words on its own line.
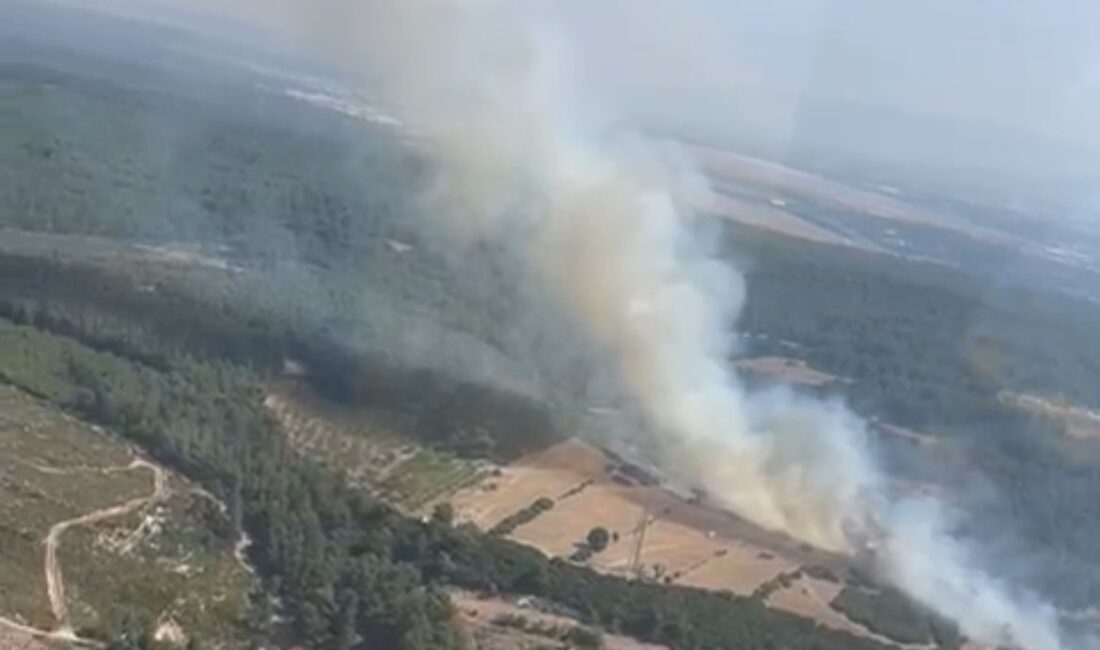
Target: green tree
column 444, row 513
column 598, row 538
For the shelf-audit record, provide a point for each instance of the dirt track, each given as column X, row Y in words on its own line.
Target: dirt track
column 55, row 583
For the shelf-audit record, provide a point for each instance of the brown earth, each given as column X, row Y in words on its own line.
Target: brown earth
column 787, row 370
column 685, row 542
column 770, row 180
column 12, row 638
column 774, row 218
column 1079, row 422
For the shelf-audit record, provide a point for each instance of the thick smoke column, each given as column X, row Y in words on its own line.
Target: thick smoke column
column 605, row 216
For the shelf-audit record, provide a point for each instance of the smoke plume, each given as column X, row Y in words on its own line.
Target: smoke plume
column 604, row 218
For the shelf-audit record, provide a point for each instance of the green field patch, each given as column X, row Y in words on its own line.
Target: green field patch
column 426, row 475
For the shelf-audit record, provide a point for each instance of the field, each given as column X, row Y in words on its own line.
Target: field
column 770, row 216
column 1078, row 422
column 656, row 535
column 774, row 183
column 369, row 448
column 91, row 534
column 786, row 370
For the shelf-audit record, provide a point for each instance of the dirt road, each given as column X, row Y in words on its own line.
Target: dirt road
column 55, row 583
column 46, row 635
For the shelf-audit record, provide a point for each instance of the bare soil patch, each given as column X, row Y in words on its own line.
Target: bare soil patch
column 657, row 535
column 787, row 370
column 1080, row 422
column 775, row 219
column 777, row 180
column 678, row 537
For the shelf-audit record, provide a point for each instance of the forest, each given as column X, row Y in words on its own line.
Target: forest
column 177, row 360
column 351, row 571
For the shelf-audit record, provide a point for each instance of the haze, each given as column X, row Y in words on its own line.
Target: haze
column 1000, row 90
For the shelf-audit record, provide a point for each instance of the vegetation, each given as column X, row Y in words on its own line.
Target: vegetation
column 931, row 348
column 175, row 556
column 346, row 566
column 177, row 360
column 576, row 636
column 515, row 520
column 598, row 539
column 891, row 614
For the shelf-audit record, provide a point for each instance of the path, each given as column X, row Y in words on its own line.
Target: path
column 55, row 583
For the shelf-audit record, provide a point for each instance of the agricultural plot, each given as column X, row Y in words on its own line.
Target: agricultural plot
column 368, row 447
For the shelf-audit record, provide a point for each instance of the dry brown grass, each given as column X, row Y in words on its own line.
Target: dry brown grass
column 773, row 218
column 685, row 542
column 777, row 180
column 763, row 186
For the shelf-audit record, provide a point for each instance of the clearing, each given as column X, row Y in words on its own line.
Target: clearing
column 787, row 370
column 368, row 447
column 773, row 183
column 1079, row 422
column 90, row 533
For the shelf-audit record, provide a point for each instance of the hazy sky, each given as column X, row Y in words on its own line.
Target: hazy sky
column 1032, row 66
column 1025, row 73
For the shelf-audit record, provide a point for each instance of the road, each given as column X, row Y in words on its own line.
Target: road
column 55, row 582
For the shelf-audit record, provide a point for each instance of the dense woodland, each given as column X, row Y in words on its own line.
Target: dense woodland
column 179, row 365
column 352, row 572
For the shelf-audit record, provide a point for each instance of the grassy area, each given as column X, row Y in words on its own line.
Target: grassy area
column 426, row 476
column 166, row 566
column 38, row 445
column 370, row 448
column 172, row 562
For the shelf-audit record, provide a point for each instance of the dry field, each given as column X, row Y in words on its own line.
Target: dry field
column 681, row 542
column 1080, row 423
column 770, row 183
column 787, row 370
column 775, row 219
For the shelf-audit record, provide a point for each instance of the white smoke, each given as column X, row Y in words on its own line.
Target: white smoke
column 608, row 221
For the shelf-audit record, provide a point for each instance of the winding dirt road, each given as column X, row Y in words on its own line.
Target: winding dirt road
column 55, row 583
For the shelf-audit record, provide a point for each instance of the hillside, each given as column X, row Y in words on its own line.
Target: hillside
column 93, row 535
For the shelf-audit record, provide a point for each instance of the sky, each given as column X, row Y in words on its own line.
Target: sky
column 1012, row 85
column 1025, row 72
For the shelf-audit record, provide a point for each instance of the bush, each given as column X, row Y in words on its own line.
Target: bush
column 598, row 538
column 444, row 513
column 511, row 522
